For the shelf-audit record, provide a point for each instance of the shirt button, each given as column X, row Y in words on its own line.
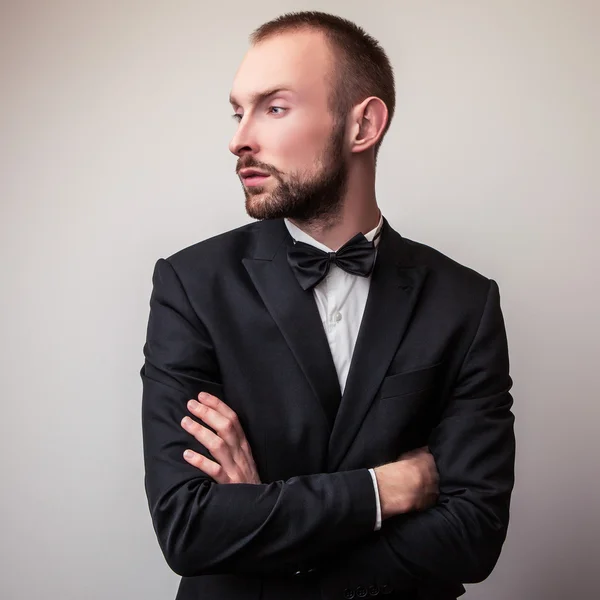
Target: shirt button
column 337, row 317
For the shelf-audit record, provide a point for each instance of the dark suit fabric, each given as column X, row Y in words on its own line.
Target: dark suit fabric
column 430, row 367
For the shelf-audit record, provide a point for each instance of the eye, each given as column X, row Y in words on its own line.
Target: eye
column 277, row 108
column 236, row 117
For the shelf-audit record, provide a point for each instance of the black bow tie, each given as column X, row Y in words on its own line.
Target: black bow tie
column 311, row 265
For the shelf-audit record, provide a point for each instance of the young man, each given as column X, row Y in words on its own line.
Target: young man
column 326, row 407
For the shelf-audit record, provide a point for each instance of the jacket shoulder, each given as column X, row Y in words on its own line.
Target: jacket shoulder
column 230, row 245
column 438, row 261
column 450, row 279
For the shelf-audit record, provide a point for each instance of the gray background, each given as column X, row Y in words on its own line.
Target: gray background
column 114, row 130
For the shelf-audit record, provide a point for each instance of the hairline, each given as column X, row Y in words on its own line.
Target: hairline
column 337, row 54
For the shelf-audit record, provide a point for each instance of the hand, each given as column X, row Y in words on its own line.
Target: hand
column 228, row 445
column 410, row 483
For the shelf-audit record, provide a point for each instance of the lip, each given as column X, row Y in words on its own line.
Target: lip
column 249, row 172
column 253, row 180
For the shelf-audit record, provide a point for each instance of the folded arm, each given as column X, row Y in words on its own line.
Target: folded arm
column 460, row 538
column 205, row 527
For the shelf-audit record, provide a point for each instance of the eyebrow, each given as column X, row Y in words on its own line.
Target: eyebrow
column 259, row 97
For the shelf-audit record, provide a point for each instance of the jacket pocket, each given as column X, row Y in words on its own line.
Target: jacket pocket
column 410, row 382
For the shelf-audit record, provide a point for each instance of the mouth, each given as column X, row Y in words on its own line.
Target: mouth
column 255, row 180
column 252, row 177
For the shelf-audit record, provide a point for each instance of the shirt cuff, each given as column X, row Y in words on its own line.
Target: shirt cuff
column 378, row 504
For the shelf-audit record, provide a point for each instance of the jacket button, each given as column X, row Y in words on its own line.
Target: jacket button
column 361, row 591
column 386, row 589
column 373, row 590
column 348, row 594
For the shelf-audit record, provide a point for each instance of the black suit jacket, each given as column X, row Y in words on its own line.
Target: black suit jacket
column 430, row 367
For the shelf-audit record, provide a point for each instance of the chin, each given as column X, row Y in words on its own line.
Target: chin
column 257, row 204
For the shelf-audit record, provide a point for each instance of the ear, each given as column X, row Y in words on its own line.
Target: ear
column 369, row 119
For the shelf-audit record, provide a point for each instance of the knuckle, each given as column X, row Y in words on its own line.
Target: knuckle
column 217, row 444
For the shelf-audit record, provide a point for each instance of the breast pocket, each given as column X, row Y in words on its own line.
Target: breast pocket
column 411, row 382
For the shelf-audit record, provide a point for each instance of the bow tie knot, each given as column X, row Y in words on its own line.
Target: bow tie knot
column 311, row 265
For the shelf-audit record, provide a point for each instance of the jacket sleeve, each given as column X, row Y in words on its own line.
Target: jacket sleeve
column 459, row 539
column 205, row 527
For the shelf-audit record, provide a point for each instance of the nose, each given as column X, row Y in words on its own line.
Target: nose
column 244, row 140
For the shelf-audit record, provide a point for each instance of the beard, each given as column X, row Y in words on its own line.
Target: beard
column 318, row 198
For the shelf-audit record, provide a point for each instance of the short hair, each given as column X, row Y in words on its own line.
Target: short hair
column 363, row 68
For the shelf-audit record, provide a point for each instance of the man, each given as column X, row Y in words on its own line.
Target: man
column 326, row 407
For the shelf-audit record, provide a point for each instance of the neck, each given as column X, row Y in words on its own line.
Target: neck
column 358, row 211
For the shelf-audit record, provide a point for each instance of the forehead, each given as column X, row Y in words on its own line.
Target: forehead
column 300, row 61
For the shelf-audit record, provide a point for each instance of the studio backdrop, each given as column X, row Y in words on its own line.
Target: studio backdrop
column 114, row 125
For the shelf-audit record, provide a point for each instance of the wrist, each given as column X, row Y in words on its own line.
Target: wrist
column 384, row 493
column 393, row 498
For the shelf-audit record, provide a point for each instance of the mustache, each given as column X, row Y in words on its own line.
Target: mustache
column 246, row 162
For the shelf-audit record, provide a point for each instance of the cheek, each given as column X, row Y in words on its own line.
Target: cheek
column 298, row 144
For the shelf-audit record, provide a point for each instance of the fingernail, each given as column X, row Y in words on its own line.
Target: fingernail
column 188, row 454
column 202, row 396
column 193, row 404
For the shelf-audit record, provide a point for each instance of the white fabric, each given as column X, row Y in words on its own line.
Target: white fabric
column 341, row 299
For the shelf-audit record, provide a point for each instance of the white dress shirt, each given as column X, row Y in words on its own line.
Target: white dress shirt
column 341, row 298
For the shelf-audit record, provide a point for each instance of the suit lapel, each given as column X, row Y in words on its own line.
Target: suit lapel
column 295, row 312
column 393, row 292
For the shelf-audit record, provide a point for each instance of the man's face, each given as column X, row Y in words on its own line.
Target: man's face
column 290, row 148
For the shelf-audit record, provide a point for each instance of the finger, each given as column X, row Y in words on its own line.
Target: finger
column 221, row 424
column 216, row 403
column 210, row 467
column 235, row 459
column 222, row 408
column 214, row 444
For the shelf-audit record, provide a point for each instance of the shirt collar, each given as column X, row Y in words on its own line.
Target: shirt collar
column 300, row 236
